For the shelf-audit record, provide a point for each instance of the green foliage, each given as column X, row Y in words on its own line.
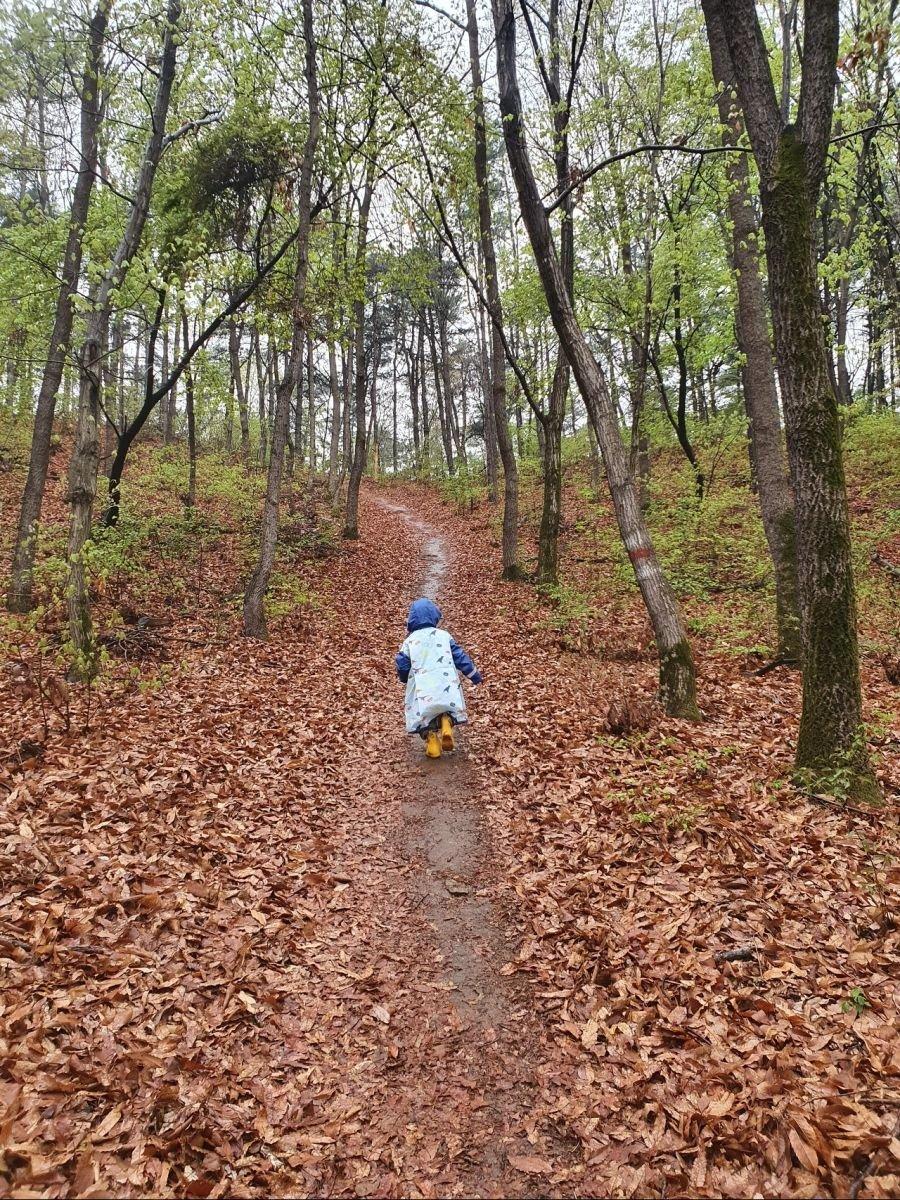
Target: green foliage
column 465, row 489
column 569, row 614
column 288, row 595
column 841, row 779
column 857, row 1002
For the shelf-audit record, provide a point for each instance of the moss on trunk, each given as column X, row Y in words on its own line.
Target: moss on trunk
column 829, row 740
column 677, row 682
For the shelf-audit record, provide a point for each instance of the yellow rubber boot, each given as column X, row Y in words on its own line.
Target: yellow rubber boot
column 447, row 741
column 433, row 745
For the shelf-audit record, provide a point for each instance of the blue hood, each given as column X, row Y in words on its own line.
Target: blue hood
column 423, row 613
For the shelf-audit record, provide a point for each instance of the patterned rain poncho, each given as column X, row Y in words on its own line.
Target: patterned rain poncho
column 427, row 664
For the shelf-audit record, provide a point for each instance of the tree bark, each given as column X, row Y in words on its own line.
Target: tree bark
column 190, row 498
column 791, row 162
column 412, row 384
column 254, row 615
column 676, row 673
column 311, row 405
column 776, row 500
column 19, row 597
column 335, row 443
column 170, row 404
column 85, row 456
column 437, row 370
column 395, row 343
column 358, row 465
column 234, row 354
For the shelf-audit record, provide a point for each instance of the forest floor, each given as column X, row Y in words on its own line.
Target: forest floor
column 254, row 943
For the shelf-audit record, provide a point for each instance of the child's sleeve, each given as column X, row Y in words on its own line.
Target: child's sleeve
column 403, row 664
column 463, row 663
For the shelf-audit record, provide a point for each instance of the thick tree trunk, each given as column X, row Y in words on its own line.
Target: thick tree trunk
column 254, row 615
column 552, row 427
column 791, row 158
column 19, row 595
column 831, row 720
column 676, row 675
column 776, row 500
column 511, row 569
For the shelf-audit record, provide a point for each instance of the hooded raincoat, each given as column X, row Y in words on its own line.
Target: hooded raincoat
column 428, row 663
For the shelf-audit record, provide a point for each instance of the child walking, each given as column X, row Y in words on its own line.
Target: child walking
column 427, row 664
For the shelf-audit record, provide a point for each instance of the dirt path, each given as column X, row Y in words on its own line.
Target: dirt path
column 444, row 833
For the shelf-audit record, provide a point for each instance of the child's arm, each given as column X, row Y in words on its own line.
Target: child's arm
column 463, row 663
column 403, row 665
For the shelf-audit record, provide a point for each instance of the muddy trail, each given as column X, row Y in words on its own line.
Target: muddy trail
column 445, row 834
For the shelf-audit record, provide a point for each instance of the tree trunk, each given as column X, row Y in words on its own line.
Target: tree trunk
column 83, row 467
column 234, row 354
column 394, row 391
column 346, row 425
column 831, row 720
column 254, row 616
column 170, row 404
column 677, row 677
column 164, row 369
column 261, row 397
column 412, row 387
column 552, row 427
column 19, row 596
column 831, row 750
column 335, row 444
column 311, row 394
column 776, row 500
column 358, row 465
column 423, row 384
column 551, row 509
column 190, row 498
column 85, row 456
column 438, row 375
